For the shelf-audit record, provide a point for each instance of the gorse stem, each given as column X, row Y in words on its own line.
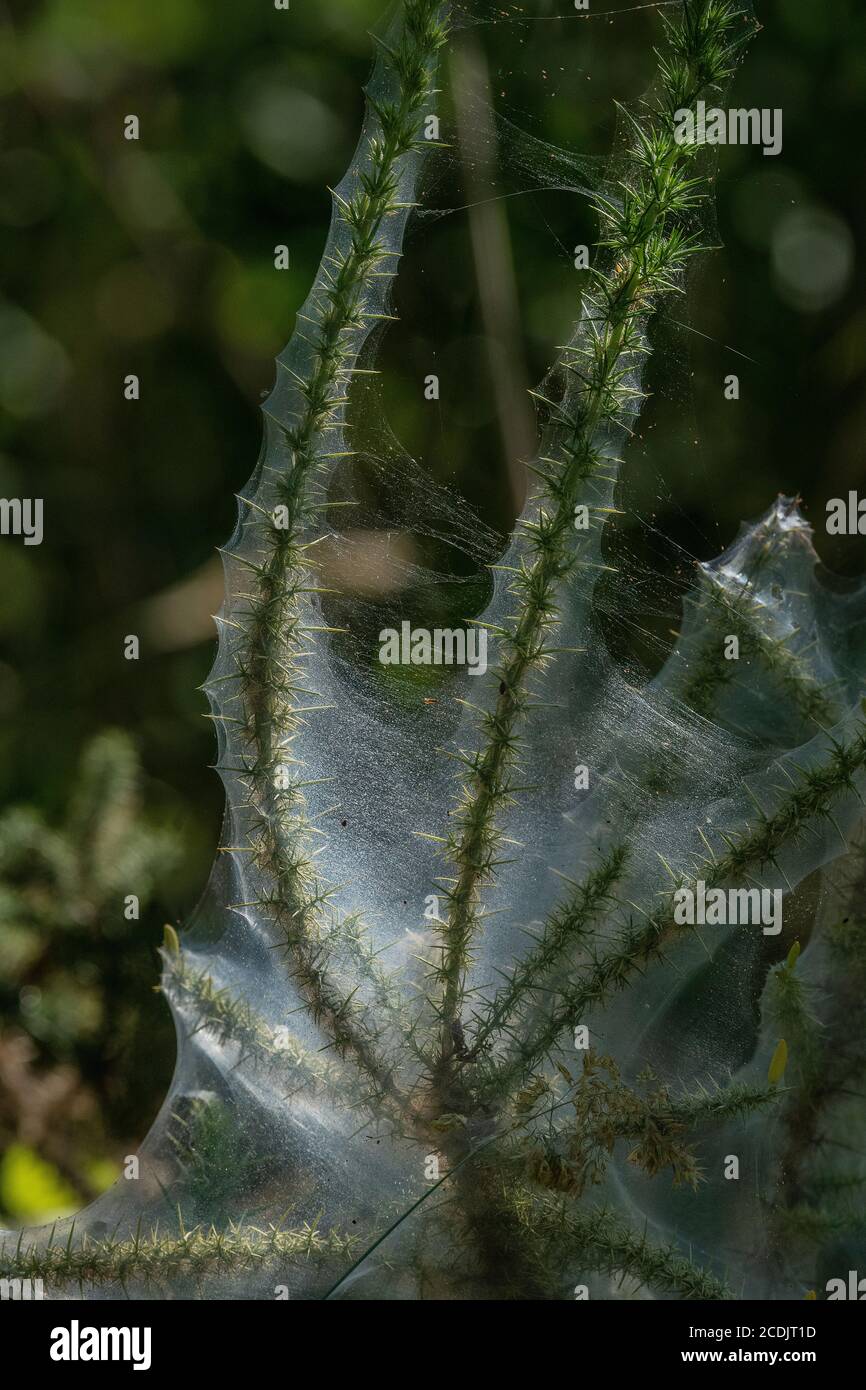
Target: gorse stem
column 568, row 928
column 234, row 1021
column 605, row 1243
column 272, row 663
column 642, row 942
column 155, row 1258
column 646, row 248
column 742, row 614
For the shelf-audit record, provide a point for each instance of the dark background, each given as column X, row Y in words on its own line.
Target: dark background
column 155, row 257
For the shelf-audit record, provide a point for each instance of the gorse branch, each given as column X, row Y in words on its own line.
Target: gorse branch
column 598, row 1239
column 273, row 690
column 646, row 250
column 659, row 1127
column 741, row 614
column 156, row 1257
column 568, row 928
column 644, row 941
column 234, row 1021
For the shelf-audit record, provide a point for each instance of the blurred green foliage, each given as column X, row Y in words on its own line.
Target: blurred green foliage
column 155, row 257
column 31, row 1189
column 78, row 1057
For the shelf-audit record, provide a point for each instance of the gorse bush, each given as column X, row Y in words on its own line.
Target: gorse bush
column 534, row 980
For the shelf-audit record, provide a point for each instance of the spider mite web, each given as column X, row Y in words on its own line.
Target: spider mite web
column 269, row 1125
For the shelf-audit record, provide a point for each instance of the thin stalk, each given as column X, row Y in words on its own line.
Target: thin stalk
column 271, row 678
column 647, row 250
column 156, row 1257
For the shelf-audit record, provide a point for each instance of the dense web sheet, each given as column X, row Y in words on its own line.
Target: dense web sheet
column 344, row 780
